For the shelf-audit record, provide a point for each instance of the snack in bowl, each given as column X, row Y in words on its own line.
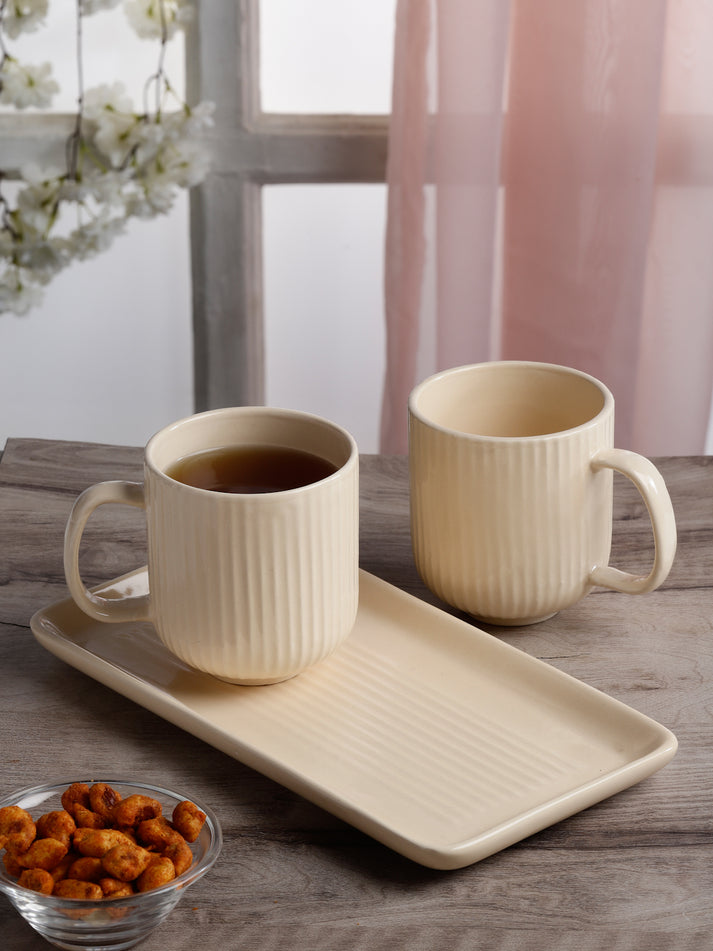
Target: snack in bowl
column 101, row 864
column 116, row 848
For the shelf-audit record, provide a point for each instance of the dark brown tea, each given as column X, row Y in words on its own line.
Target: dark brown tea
column 250, row 469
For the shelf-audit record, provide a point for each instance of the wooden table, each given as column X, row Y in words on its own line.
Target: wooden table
column 635, row 871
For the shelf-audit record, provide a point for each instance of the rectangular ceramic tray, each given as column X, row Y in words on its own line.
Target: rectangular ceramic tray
column 428, row 734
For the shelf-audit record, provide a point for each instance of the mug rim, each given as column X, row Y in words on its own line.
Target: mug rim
column 417, row 414
column 239, row 411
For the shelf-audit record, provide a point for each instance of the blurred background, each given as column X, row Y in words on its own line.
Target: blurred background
column 109, row 354
column 107, row 357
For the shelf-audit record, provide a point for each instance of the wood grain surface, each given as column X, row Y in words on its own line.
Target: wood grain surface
column 633, row 872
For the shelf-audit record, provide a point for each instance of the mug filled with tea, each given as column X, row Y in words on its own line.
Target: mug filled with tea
column 252, row 516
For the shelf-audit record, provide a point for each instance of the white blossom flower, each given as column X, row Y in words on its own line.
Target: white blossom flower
column 106, row 99
column 149, row 18
column 18, row 293
column 23, row 16
column 35, row 174
column 43, row 257
column 184, row 164
column 189, row 122
column 159, row 195
column 199, row 118
column 116, row 135
column 96, row 235
column 72, row 190
column 116, row 129
column 39, row 200
column 24, row 86
column 107, row 188
column 137, row 205
column 150, row 137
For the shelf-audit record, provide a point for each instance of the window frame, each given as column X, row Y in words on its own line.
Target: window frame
column 251, row 149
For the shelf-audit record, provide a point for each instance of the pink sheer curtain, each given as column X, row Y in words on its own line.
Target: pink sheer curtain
column 550, row 171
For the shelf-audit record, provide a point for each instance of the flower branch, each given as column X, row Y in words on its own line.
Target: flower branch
column 119, row 163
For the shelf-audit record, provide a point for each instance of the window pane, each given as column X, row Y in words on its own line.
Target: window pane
column 324, row 311
column 326, row 57
column 107, row 356
column 133, row 300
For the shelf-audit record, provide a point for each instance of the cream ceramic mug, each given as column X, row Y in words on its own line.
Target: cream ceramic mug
column 252, row 588
column 511, row 489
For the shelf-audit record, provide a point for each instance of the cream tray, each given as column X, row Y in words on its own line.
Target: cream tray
column 428, row 734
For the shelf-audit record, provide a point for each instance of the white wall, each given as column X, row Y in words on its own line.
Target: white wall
column 107, row 358
column 324, row 303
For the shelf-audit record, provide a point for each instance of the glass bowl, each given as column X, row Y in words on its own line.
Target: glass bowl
column 110, row 923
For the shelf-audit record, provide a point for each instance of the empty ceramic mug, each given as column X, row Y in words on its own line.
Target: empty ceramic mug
column 252, row 517
column 511, row 490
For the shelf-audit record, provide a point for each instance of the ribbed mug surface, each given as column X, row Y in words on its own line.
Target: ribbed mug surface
column 254, row 589
column 509, row 533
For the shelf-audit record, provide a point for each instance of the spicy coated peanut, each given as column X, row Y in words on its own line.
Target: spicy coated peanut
column 157, row 832
column 126, row 861
column 57, row 825
column 96, row 842
column 135, row 809
column 113, row 888
column 86, row 869
column 62, row 870
column 102, row 801
column 74, row 888
column 160, row 871
column 17, row 828
column 43, row 853
column 37, row 879
column 179, row 852
column 11, row 865
column 86, row 819
column 74, row 795
column 188, row 820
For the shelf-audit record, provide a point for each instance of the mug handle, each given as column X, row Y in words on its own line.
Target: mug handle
column 649, row 481
column 102, row 609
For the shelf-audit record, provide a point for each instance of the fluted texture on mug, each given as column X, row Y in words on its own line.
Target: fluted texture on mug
column 508, row 530
column 277, row 584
